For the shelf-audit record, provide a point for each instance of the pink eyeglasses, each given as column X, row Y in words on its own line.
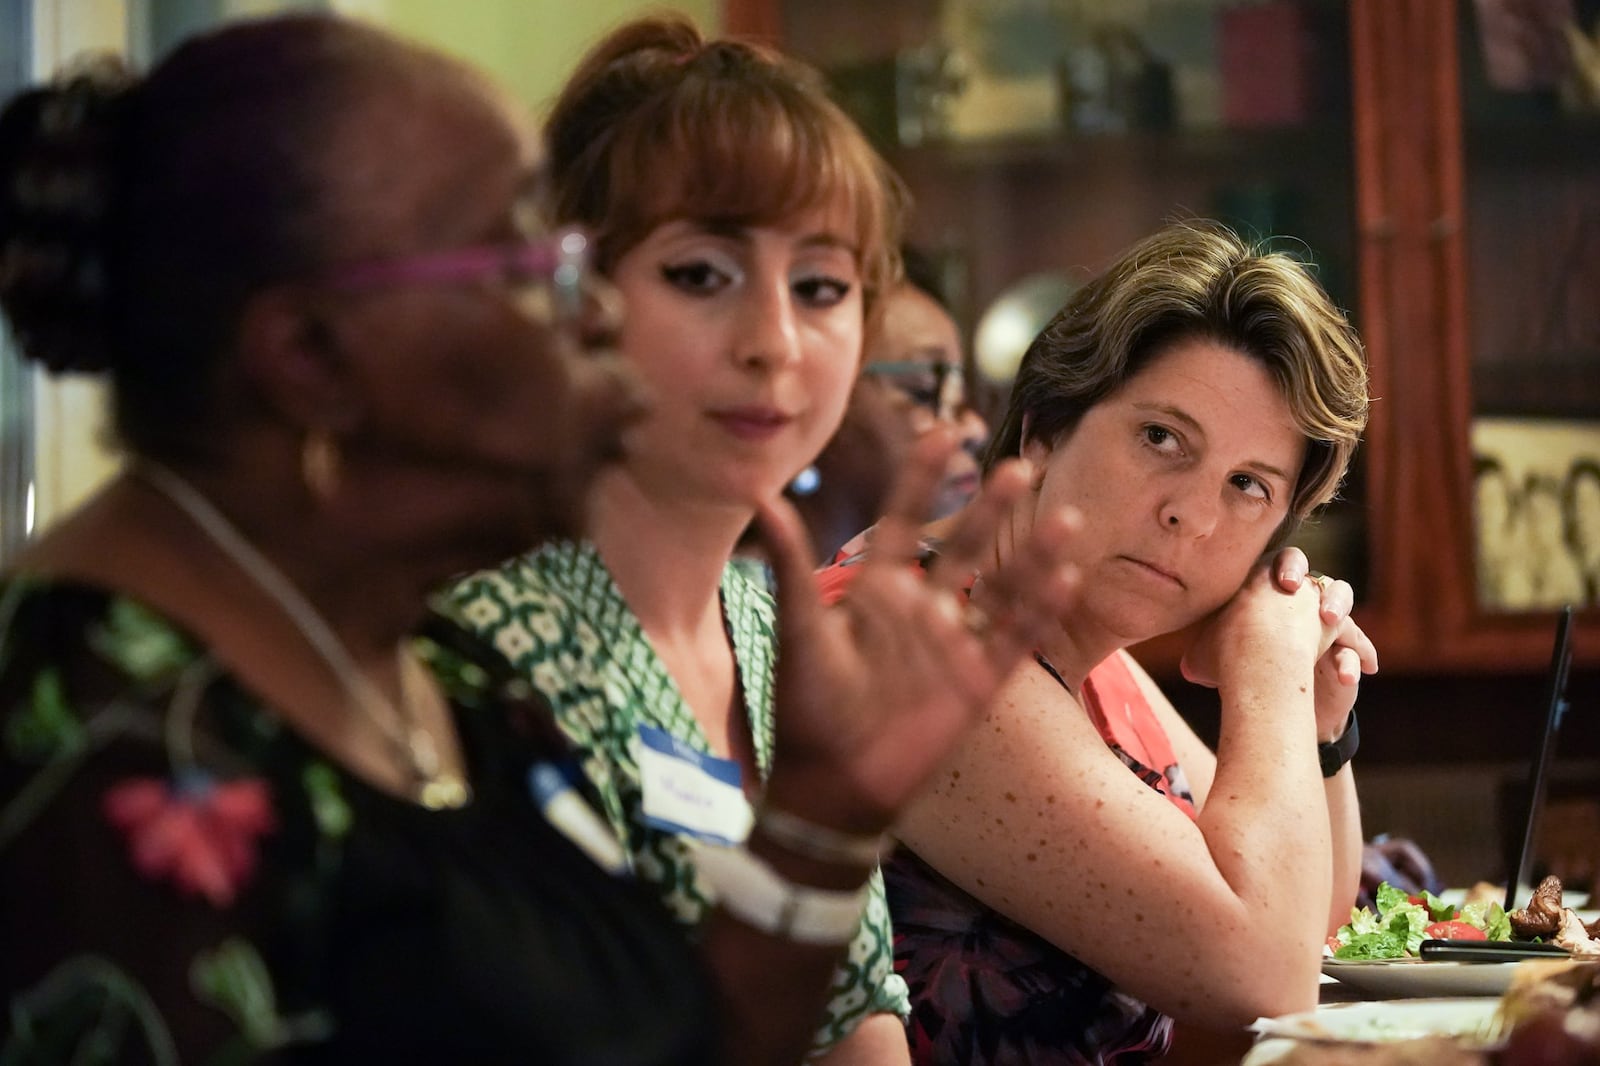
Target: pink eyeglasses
column 560, row 260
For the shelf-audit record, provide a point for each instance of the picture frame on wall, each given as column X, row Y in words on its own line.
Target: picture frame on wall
column 1536, row 509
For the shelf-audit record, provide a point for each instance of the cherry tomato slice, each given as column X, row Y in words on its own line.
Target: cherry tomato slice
column 1454, row 930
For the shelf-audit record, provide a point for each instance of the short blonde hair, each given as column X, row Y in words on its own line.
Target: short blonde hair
column 1198, row 279
column 659, row 123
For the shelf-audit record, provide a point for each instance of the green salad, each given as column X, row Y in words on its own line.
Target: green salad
column 1402, row 921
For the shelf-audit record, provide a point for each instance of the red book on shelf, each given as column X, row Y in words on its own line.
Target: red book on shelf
column 1264, row 52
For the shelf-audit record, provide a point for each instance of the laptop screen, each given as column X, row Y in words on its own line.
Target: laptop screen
column 1555, row 707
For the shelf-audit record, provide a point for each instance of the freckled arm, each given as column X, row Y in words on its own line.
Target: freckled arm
column 1216, row 920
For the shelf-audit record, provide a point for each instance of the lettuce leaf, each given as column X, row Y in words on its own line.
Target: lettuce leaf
column 1410, row 922
column 1380, row 944
column 1362, row 921
column 1396, row 927
column 1438, row 909
column 1489, row 916
column 1389, row 898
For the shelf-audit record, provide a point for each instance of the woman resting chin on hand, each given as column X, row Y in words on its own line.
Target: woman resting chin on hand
column 1085, row 869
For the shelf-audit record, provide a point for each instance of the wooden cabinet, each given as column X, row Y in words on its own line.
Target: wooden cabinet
column 1375, row 177
column 1413, row 181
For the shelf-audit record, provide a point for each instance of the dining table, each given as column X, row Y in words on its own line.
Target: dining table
column 1444, row 996
column 1199, row 1045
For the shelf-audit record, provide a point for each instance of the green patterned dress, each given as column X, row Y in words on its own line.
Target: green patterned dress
column 560, row 618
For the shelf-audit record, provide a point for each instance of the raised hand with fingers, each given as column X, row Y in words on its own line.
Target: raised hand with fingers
column 874, row 692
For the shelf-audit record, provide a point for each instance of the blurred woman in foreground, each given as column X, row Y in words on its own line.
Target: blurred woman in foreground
column 255, row 800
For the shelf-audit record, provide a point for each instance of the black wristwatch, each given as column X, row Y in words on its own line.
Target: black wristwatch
column 1334, row 755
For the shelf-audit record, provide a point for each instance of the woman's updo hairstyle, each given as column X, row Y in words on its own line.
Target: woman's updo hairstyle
column 136, row 216
column 58, row 152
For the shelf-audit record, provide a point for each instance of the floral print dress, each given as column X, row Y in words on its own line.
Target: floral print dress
column 183, row 879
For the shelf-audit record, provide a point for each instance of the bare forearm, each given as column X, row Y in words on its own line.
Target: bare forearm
column 1037, row 809
column 1265, row 821
column 1344, row 825
column 1271, row 849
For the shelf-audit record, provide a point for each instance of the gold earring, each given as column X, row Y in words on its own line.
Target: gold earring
column 319, row 464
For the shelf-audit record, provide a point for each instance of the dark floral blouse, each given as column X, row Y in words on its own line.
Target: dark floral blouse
column 182, row 879
column 986, row 991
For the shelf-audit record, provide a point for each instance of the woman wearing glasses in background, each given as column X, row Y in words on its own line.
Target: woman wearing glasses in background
column 912, row 379
column 916, row 350
column 256, row 802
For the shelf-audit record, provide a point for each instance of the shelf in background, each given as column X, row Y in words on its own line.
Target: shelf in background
column 1291, row 149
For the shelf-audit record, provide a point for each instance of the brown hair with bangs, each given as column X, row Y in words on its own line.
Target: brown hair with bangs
column 659, row 123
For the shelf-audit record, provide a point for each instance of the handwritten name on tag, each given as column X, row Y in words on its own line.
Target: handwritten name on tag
column 691, row 792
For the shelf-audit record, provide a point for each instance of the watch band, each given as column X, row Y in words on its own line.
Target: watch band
column 1334, row 755
column 759, row 896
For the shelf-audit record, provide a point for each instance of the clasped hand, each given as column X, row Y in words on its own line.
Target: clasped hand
column 1343, row 651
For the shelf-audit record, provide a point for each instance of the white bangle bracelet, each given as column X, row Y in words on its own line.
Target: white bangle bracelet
column 807, row 838
column 756, row 894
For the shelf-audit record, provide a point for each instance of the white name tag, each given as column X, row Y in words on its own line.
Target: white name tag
column 691, row 792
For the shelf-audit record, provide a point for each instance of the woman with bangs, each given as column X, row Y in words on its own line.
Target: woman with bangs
column 748, row 226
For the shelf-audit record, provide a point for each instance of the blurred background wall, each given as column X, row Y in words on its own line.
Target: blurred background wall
column 53, row 445
column 530, row 45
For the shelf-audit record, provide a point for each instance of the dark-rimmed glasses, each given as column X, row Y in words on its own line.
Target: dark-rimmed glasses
column 560, row 260
column 938, row 387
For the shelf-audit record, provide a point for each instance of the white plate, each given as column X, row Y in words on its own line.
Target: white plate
column 1473, row 1020
column 1413, row 977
